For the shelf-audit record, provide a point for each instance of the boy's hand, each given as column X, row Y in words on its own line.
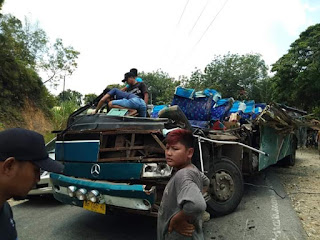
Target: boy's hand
column 206, row 196
column 180, row 224
column 205, row 189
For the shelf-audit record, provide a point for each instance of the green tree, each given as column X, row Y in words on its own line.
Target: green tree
column 30, row 44
column 15, row 42
column 19, row 80
column 23, row 50
column 229, row 72
column 89, row 98
column 196, row 80
column 70, row 96
column 296, row 81
column 160, row 86
column 1, row 3
column 262, row 91
column 59, row 63
column 115, row 85
column 61, row 113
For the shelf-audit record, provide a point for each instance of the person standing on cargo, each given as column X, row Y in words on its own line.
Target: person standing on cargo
column 22, row 154
column 182, row 205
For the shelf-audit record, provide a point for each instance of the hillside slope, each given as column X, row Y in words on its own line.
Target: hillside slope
column 30, row 117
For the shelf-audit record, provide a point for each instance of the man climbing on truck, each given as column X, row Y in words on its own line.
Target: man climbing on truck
column 119, row 99
column 138, row 88
column 138, row 79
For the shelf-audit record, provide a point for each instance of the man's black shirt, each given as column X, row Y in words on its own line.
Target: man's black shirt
column 7, row 225
column 138, row 89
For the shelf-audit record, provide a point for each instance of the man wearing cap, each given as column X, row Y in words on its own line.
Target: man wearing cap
column 135, row 87
column 22, row 154
column 138, row 79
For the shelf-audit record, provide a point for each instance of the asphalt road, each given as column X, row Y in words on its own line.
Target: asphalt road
column 262, row 214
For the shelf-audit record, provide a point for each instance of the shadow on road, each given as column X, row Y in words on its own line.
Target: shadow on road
column 40, row 202
column 63, row 222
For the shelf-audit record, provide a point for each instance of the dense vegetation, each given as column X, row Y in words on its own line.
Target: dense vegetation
column 229, row 72
column 297, row 73
column 25, row 50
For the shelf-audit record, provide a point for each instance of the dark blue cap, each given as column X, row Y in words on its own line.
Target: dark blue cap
column 26, row 145
column 128, row 75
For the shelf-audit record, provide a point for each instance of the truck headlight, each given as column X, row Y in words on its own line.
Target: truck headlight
column 72, row 191
column 93, row 196
column 81, row 194
column 154, row 170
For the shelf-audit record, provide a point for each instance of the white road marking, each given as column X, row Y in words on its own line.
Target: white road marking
column 13, row 202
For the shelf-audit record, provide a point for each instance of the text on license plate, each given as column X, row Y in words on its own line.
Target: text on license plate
column 94, row 207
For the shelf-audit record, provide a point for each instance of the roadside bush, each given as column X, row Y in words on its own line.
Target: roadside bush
column 61, row 113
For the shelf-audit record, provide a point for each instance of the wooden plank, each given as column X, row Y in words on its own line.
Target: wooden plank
column 133, row 139
column 103, row 141
column 140, row 159
column 115, row 149
column 158, row 141
column 120, row 141
column 124, row 131
column 223, row 137
column 127, row 151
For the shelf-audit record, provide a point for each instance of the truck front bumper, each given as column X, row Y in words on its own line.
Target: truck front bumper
column 123, row 195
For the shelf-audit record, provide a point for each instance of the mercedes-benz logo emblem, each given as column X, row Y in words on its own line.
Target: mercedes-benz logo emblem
column 95, row 170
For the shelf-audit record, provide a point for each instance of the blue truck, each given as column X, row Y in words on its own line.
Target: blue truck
column 115, row 162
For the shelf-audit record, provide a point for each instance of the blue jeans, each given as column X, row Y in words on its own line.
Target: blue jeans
column 133, row 103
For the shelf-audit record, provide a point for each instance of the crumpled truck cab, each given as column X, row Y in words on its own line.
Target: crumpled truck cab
column 112, row 163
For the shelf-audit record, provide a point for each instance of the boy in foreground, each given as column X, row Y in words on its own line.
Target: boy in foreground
column 182, row 205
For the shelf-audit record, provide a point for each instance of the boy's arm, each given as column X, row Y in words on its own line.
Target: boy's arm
column 124, row 89
column 145, row 93
column 146, row 98
column 191, row 202
column 180, row 223
column 205, row 182
column 189, row 195
column 102, row 101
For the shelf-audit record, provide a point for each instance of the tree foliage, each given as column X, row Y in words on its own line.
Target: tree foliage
column 297, row 74
column 1, row 3
column 229, row 72
column 60, row 62
column 61, row 113
column 160, row 86
column 23, row 47
column 115, row 85
column 70, row 96
column 88, row 98
column 20, row 43
column 18, row 78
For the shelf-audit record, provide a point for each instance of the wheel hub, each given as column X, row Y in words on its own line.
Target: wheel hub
column 223, row 186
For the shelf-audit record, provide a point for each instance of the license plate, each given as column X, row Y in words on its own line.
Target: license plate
column 94, row 207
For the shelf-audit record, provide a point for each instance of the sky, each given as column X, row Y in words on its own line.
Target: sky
column 175, row 36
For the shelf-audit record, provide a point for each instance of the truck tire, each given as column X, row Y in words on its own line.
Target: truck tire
column 226, row 188
column 290, row 160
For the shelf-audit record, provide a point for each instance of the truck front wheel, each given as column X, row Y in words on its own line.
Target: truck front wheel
column 291, row 159
column 225, row 189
